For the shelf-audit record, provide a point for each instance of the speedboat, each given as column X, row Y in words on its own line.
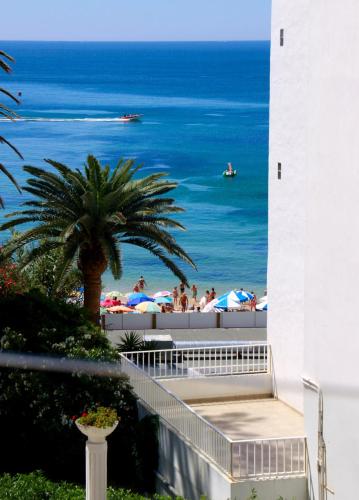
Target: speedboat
column 229, row 172
column 130, row 118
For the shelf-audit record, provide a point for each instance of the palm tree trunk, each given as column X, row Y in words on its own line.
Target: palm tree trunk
column 93, row 264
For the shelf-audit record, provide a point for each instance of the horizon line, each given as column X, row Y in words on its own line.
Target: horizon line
column 139, row 41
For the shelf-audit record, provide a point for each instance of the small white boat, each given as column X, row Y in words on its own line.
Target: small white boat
column 130, row 118
column 229, row 172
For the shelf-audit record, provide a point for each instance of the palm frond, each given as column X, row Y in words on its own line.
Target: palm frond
column 9, row 94
column 5, row 171
column 5, row 141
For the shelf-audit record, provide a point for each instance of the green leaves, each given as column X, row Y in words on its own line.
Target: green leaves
column 9, row 114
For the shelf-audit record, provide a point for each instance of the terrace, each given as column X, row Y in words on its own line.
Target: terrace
column 220, row 403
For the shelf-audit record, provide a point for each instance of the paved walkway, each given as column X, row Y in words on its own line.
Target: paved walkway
column 253, row 419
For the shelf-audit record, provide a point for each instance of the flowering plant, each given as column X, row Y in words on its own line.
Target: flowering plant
column 10, row 279
column 100, row 417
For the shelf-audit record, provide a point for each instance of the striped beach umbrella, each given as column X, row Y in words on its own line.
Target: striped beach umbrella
column 228, row 301
column 262, row 306
column 163, row 300
column 148, row 307
column 243, row 296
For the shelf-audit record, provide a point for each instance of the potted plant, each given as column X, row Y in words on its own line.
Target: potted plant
column 98, row 423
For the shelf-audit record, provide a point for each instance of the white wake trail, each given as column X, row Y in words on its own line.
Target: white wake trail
column 63, row 120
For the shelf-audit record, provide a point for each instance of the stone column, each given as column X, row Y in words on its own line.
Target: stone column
column 96, row 460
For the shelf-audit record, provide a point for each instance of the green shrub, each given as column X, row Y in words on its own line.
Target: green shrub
column 35, row 486
column 36, row 407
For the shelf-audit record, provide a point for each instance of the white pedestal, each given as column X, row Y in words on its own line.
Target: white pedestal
column 96, row 460
column 96, row 470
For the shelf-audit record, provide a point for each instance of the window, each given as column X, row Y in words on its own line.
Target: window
column 281, row 38
column 279, row 171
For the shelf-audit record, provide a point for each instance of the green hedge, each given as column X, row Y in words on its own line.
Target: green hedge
column 36, row 408
column 35, row 486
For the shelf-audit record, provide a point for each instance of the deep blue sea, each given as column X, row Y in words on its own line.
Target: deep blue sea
column 204, row 104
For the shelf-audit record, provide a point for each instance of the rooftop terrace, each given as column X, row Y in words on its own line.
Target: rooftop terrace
column 252, row 419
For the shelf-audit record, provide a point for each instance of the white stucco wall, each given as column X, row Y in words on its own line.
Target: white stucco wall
column 332, row 236
column 228, row 386
column 314, row 228
column 288, row 135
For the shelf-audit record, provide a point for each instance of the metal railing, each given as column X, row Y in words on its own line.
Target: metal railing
column 268, row 458
column 241, row 459
column 203, row 361
column 204, row 436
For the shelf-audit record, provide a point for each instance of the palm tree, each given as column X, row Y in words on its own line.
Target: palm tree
column 89, row 214
column 9, row 114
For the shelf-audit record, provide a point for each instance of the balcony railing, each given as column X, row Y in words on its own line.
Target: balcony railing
column 258, row 458
column 270, row 458
column 203, row 361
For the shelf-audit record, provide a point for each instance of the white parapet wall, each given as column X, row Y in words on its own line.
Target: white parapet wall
column 193, row 320
column 211, row 388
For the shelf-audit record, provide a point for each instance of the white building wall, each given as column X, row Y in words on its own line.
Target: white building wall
column 288, row 136
column 314, row 225
column 332, row 238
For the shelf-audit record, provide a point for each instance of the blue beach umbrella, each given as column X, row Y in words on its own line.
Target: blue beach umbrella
column 243, row 295
column 137, row 298
column 228, row 301
column 233, row 299
column 163, row 300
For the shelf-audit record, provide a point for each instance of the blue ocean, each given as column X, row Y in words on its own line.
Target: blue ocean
column 203, row 105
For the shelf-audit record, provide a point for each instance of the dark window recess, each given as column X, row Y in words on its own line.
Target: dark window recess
column 279, row 171
column 281, row 38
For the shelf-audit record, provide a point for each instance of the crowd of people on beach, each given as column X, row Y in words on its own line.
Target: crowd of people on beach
column 188, row 301
column 182, row 298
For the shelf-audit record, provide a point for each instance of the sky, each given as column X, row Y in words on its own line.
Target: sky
column 135, row 20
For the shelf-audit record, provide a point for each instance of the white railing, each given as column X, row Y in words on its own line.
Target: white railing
column 263, row 458
column 203, row 361
column 180, row 416
column 268, row 458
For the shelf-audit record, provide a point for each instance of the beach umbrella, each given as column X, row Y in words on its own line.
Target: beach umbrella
column 210, row 307
column 164, row 293
column 119, row 309
column 110, row 302
column 229, row 300
column 163, row 300
column 228, row 303
column 243, row 295
column 262, row 306
column 137, row 298
column 148, row 307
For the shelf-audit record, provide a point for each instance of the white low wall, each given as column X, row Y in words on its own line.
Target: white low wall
column 184, row 471
column 220, row 387
column 146, row 321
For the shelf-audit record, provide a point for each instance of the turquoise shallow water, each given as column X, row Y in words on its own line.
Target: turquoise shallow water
column 204, row 104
